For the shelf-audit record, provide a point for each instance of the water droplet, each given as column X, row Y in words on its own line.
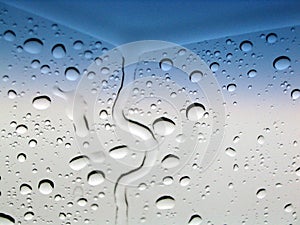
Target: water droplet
column 231, row 87
column 9, row 35
column 168, row 180
column 196, row 76
column 6, row 219
column 82, row 202
column 25, row 189
column 166, row 64
column 271, row 38
column 33, row 46
column 103, row 114
column 79, row 162
column 214, row 66
column 195, row 111
column 288, row 208
column 230, row 152
column 295, row 94
column 46, row 186
column 21, row 129
column 32, row 143
column 261, row 193
column 281, row 62
column 252, row 73
column 184, row 181
column 118, row 152
column 297, row 171
column 163, row 126
column 170, row 161
column 95, row 178
column 21, row 157
column 246, row 46
column 41, row 102
column 72, row 73
column 78, row 45
column 59, row 51
column 165, row 202
column 28, row 216
column 261, row 139
column 12, row 94
column 195, row 220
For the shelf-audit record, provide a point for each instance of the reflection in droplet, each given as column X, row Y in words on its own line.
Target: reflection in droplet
column 46, row 186
column 281, row 62
column 261, row 139
column 251, row 73
column 165, row 202
column 214, row 66
column 33, row 46
column 41, row 102
column 231, row 87
column 195, row 111
column 163, row 126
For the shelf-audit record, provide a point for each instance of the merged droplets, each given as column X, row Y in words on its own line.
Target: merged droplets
column 163, row 126
column 281, row 63
column 195, row 220
column 9, row 35
column 41, row 102
column 58, row 51
column 165, row 202
column 288, row 208
column 96, row 178
column 261, row 193
column 6, row 219
column 72, row 73
column 46, row 186
column 295, row 94
column 246, row 46
column 195, row 111
column 33, row 45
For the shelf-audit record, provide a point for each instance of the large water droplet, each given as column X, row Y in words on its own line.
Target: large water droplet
column 214, row 66
column 271, row 38
column 166, row 64
column 170, row 161
column 163, row 126
column 21, row 129
column 252, row 73
column 72, row 73
column 246, row 46
column 195, row 220
column 288, row 208
column 6, row 219
column 59, row 51
column 118, row 152
column 33, row 46
column 41, row 102
column 195, row 111
column 261, row 193
column 79, row 162
column 46, row 186
column 25, row 189
column 165, row 202
column 95, row 178
column 9, row 35
column 231, row 87
column 295, row 94
column 281, row 62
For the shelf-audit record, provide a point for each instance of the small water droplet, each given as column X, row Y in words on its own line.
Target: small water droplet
column 170, row 161
column 41, row 102
column 261, row 193
column 231, row 87
column 281, row 63
column 165, row 202
column 79, row 162
column 9, row 35
column 195, row 111
column 166, row 64
column 252, row 73
column 46, row 186
column 297, row 171
column 196, row 76
column 184, row 181
column 230, row 152
column 33, row 46
column 118, row 152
